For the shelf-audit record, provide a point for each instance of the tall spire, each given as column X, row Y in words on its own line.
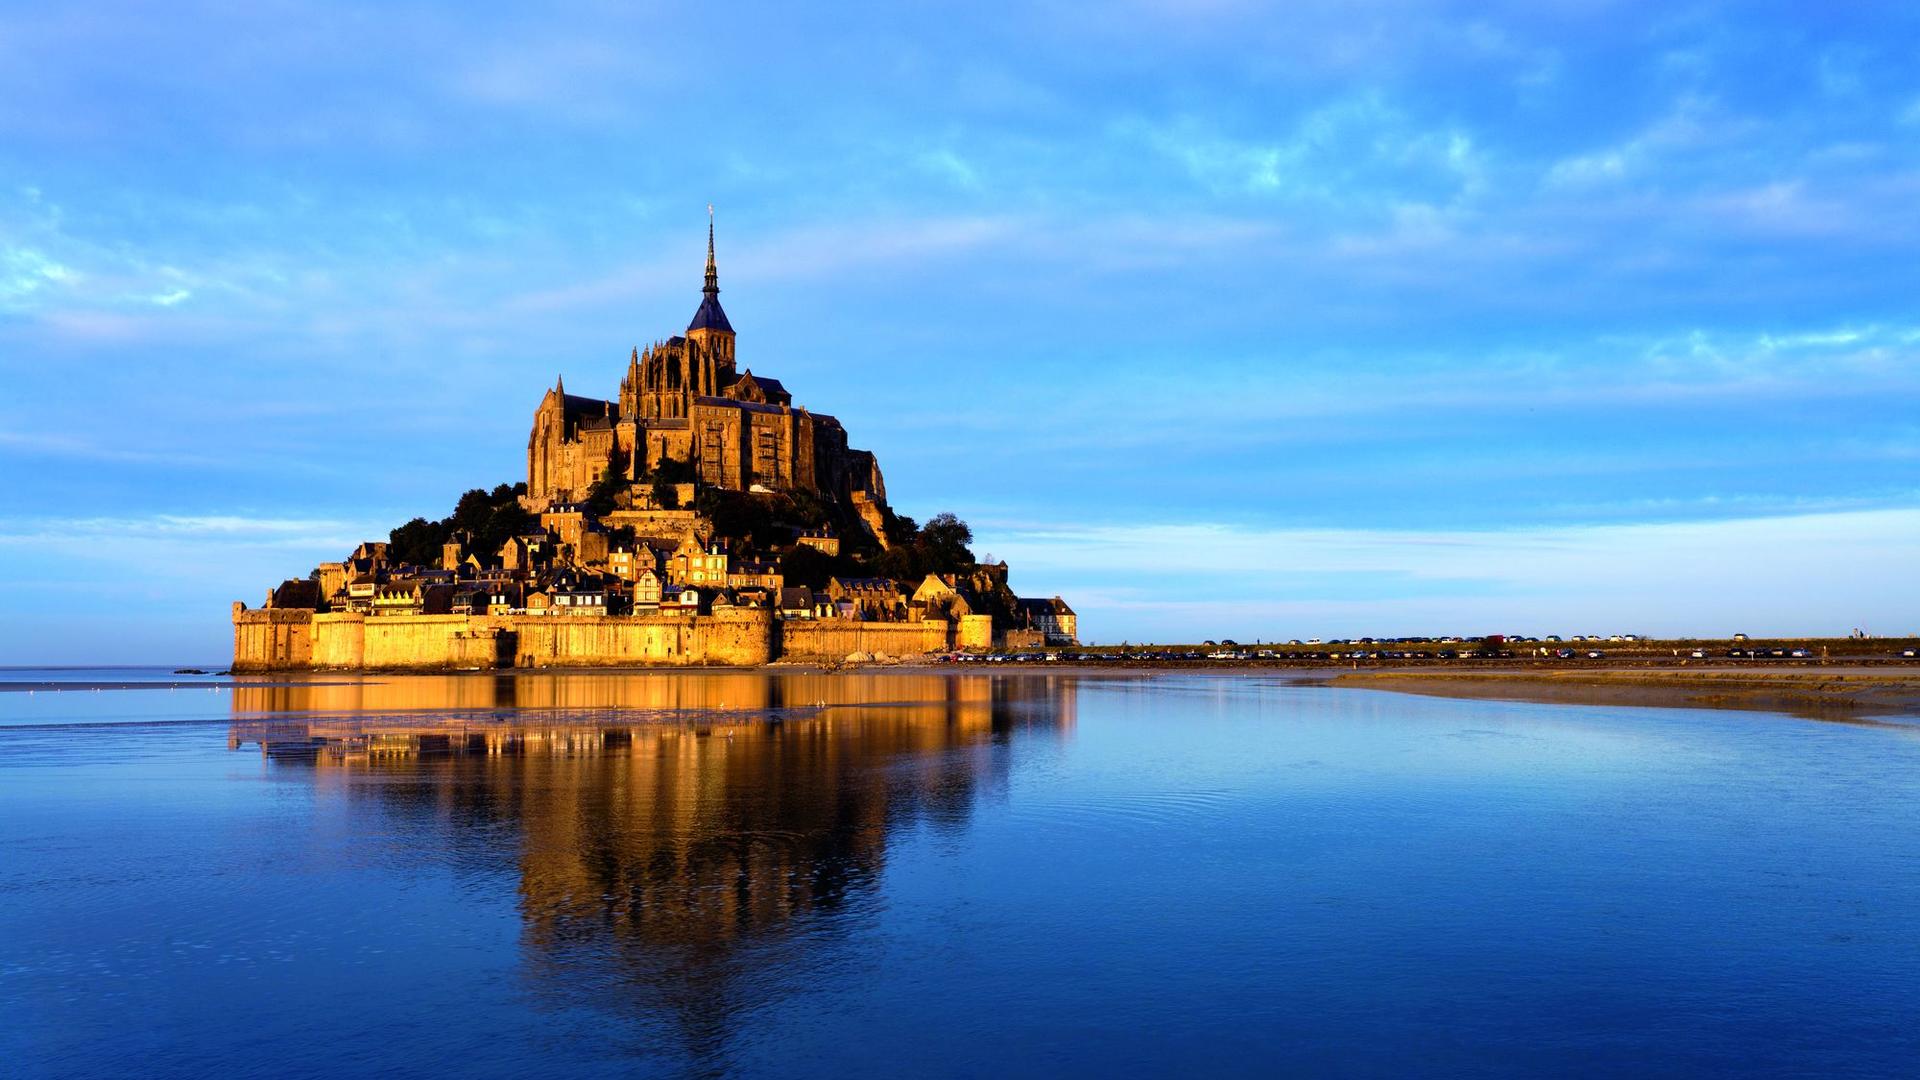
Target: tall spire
column 710, row 316
column 713, row 272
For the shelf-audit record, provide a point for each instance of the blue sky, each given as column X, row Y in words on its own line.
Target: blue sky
column 1216, row 317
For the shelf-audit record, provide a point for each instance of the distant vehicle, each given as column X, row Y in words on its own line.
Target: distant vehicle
column 1737, row 653
column 1553, row 637
column 1595, row 654
column 1910, row 653
column 1699, row 654
column 1739, row 637
column 1801, row 653
column 1565, row 654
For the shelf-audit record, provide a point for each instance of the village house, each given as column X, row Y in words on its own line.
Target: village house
column 1051, row 618
column 360, row 593
column 821, row 540
column 412, row 598
column 584, row 594
column 694, row 563
column 754, row 572
column 939, row 596
column 506, row 597
column 874, row 599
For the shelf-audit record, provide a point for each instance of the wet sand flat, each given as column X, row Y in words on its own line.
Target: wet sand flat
column 1824, row 693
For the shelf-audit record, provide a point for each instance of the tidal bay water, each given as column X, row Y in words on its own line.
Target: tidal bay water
column 968, row 875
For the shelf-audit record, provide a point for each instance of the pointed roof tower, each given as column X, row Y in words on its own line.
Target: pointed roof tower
column 710, row 316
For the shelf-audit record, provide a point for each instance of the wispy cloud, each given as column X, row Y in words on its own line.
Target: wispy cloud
column 1361, row 148
column 25, row 273
column 1690, row 123
column 1762, row 574
column 211, row 532
column 67, row 445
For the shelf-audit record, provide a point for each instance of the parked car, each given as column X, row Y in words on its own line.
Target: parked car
column 1699, row 654
column 1595, row 654
column 1800, row 653
column 1910, row 653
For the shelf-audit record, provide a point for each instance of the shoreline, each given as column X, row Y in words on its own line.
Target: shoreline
column 1816, row 692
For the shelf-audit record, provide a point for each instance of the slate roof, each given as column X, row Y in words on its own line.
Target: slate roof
column 710, row 316
column 772, row 388
column 298, row 593
column 744, row 406
column 1034, row 606
column 576, row 405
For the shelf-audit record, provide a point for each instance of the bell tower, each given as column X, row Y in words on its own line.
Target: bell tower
column 710, row 335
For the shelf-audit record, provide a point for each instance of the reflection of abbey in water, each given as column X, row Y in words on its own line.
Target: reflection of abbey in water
column 644, row 819
column 648, row 854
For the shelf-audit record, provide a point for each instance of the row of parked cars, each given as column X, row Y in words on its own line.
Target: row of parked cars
column 1186, row 655
column 1484, row 652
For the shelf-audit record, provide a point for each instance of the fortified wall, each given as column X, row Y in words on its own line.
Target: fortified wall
column 281, row 639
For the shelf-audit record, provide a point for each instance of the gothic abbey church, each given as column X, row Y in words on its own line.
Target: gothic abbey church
column 685, row 400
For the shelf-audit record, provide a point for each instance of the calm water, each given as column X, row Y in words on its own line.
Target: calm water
column 969, row 876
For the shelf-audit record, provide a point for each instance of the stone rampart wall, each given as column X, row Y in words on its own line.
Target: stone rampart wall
column 837, row 639
column 733, row 637
column 973, row 632
column 278, row 639
column 271, row 638
column 427, row 641
column 339, row 640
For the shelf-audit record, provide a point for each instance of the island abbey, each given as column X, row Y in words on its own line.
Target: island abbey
column 686, row 399
column 699, row 516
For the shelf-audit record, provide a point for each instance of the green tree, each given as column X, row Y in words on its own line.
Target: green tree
column 808, row 566
column 485, row 519
column 604, row 495
column 944, row 539
column 417, row 542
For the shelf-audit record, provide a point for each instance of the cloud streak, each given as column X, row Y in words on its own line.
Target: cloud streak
column 1683, row 578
